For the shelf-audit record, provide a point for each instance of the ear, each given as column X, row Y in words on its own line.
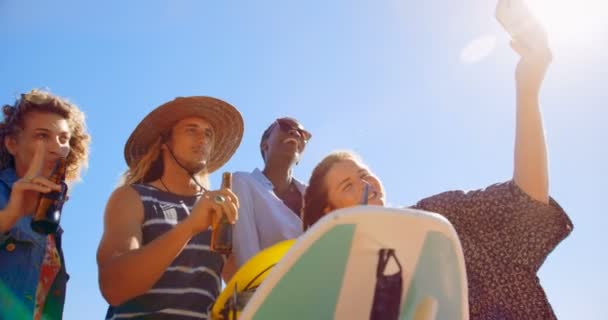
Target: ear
column 212, row 147
column 264, row 147
column 10, row 143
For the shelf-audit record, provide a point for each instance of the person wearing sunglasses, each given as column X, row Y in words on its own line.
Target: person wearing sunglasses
column 270, row 199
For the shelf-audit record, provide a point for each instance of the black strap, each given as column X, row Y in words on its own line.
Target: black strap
column 232, row 304
column 258, row 275
column 386, row 303
column 383, row 259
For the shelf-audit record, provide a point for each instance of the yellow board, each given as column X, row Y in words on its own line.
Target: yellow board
column 250, row 275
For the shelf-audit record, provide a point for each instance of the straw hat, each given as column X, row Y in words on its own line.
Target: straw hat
column 225, row 119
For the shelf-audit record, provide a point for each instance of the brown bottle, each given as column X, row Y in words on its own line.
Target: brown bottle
column 48, row 212
column 221, row 234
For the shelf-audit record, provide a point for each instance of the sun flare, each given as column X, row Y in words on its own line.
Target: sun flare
column 572, row 20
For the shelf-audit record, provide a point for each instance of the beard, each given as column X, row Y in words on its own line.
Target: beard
column 192, row 165
column 195, row 166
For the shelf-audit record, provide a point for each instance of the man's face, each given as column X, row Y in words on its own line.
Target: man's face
column 192, row 141
column 48, row 128
column 287, row 138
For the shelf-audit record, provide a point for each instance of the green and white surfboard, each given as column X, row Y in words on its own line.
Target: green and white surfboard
column 330, row 272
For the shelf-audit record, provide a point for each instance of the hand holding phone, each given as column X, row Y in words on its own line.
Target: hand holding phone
column 517, row 19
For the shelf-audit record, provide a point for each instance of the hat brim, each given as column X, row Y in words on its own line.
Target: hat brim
column 225, row 120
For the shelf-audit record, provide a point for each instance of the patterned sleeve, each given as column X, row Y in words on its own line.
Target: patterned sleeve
column 504, row 217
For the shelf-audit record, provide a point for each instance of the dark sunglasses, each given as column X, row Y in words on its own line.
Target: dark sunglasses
column 286, row 126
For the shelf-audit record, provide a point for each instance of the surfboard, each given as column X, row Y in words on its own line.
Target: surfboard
column 331, row 272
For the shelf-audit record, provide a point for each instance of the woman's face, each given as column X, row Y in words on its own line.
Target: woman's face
column 345, row 183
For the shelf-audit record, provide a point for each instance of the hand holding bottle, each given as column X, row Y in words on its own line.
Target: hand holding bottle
column 25, row 191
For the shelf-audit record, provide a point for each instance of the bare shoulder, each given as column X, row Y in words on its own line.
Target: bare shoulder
column 122, row 223
column 124, row 201
column 124, row 193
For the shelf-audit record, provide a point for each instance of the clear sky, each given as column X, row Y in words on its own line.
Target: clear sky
column 423, row 90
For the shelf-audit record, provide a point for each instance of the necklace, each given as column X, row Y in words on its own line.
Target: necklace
column 198, row 193
column 164, row 185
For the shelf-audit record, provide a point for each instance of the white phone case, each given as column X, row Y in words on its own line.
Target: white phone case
column 517, row 19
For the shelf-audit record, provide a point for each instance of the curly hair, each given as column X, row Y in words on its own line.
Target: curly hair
column 43, row 101
column 315, row 197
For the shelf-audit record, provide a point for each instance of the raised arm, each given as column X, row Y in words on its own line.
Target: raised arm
column 25, row 191
column 530, row 163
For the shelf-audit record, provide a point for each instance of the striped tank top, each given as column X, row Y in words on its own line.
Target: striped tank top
column 192, row 282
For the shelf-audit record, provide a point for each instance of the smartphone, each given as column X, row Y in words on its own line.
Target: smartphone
column 517, row 19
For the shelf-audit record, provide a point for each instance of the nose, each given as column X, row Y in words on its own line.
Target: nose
column 202, row 138
column 53, row 145
column 368, row 185
column 365, row 195
column 294, row 132
column 57, row 148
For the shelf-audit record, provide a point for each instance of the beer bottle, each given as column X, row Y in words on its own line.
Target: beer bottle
column 48, row 212
column 221, row 234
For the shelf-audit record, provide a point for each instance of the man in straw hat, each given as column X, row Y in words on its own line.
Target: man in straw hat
column 154, row 259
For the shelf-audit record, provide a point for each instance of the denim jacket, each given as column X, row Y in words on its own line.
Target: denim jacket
column 21, row 253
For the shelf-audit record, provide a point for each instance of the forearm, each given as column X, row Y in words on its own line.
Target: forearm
column 133, row 273
column 530, row 163
column 8, row 219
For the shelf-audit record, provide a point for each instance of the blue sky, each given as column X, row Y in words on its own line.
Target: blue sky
column 387, row 79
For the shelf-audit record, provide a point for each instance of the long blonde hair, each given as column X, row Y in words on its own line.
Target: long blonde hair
column 43, row 101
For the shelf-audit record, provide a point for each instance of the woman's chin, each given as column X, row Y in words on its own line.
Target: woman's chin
column 376, row 202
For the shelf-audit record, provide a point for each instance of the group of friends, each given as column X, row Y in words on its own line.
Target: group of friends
column 154, row 259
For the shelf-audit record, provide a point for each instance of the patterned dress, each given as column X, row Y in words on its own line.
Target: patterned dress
column 506, row 236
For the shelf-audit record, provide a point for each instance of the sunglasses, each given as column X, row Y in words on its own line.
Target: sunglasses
column 287, row 126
